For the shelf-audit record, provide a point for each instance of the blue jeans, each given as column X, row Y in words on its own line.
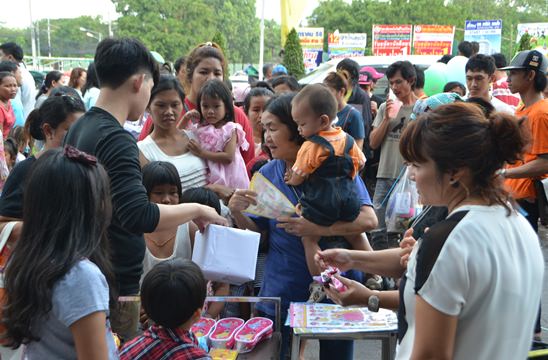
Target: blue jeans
column 380, row 238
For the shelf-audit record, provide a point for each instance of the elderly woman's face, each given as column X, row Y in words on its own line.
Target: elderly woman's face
column 277, row 138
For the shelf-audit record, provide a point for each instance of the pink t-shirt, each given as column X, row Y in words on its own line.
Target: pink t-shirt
column 7, row 118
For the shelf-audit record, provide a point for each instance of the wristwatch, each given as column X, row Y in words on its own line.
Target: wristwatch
column 373, row 303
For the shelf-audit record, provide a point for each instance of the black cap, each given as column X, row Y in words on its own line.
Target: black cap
column 530, row 60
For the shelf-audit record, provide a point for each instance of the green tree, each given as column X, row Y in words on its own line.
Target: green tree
column 220, row 40
column 524, row 42
column 240, row 27
column 272, row 41
column 293, row 55
column 170, row 27
column 69, row 37
column 360, row 15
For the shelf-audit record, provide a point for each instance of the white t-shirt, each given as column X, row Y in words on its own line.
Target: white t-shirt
column 484, row 267
column 181, row 250
column 192, row 170
column 501, row 106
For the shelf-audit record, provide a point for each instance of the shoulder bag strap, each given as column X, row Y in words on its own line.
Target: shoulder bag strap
column 5, row 234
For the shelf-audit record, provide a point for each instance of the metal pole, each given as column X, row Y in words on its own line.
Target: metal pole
column 33, row 38
column 261, row 46
column 49, row 39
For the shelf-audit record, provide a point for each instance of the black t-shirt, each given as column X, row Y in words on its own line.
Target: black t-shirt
column 11, row 202
column 100, row 134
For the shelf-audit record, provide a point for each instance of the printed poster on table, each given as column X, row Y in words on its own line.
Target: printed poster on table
column 392, row 39
column 342, row 45
column 311, row 40
column 311, row 316
column 433, row 39
column 488, row 33
column 539, row 35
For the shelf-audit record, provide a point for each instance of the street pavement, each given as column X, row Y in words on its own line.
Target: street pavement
column 371, row 349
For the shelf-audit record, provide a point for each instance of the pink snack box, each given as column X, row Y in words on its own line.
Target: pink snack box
column 222, row 336
column 203, row 327
column 254, row 331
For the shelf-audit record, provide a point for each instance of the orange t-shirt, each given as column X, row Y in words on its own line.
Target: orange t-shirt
column 311, row 155
column 537, row 122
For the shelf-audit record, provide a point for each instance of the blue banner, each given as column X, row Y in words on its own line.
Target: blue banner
column 488, row 33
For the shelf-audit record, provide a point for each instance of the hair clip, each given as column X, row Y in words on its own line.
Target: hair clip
column 209, row 43
column 74, row 154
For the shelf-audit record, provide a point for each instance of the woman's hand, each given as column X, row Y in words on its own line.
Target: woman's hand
column 340, row 258
column 190, row 117
column 406, row 246
column 355, row 294
column 208, row 215
column 195, row 148
column 299, row 226
column 241, row 200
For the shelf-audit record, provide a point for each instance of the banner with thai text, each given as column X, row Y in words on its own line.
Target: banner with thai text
column 433, row 39
column 312, row 43
column 488, row 33
column 343, row 45
column 392, row 39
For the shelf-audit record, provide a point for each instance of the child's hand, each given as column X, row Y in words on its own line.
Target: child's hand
column 195, row 148
column 190, row 117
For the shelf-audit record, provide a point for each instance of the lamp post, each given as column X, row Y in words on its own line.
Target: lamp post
column 92, row 34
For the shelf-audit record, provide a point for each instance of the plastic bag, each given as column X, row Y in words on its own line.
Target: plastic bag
column 403, row 204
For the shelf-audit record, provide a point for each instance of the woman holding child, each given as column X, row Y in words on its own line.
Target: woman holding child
column 286, row 272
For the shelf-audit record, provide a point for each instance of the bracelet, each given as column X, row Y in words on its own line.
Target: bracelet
column 502, row 172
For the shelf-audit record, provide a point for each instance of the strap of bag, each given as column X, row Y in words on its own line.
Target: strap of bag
column 5, row 234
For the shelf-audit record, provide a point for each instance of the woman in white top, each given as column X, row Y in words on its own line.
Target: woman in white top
column 167, row 143
column 473, row 282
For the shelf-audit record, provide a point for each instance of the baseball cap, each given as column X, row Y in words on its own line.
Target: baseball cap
column 279, row 69
column 364, row 79
column 371, row 70
column 528, row 59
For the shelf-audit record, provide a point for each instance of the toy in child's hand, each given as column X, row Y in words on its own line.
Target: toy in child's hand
column 327, row 277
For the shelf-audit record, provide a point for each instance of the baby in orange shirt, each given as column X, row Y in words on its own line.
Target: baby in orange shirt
column 326, row 163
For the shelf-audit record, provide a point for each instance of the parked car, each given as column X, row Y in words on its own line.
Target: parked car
column 380, row 63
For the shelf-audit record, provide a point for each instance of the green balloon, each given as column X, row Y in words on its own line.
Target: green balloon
column 435, row 79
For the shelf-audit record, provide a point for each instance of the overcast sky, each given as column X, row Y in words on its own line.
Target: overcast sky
column 18, row 14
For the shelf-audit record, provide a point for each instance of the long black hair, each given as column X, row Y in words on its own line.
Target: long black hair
column 48, row 82
column 66, row 213
column 91, row 80
column 54, row 111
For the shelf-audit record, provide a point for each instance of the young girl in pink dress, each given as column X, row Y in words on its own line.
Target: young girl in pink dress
column 219, row 137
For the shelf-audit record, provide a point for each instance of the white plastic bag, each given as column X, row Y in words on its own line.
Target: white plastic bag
column 226, row 254
column 403, row 204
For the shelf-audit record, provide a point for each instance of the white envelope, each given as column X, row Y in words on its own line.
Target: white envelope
column 226, row 254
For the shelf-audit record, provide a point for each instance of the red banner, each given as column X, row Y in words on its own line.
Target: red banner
column 392, row 39
column 433, row 39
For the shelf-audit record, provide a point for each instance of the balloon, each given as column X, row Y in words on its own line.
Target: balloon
column 455, row 69
column 435, row 78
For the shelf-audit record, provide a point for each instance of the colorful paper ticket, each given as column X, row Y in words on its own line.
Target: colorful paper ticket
column 271, row 202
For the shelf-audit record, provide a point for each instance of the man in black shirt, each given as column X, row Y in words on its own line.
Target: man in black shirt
column 127, row 72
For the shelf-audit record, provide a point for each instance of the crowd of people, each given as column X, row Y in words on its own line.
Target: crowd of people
column 109, row 173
